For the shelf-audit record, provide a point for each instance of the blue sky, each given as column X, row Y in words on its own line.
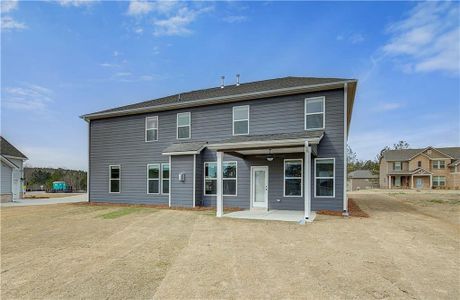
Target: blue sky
column 63, row 59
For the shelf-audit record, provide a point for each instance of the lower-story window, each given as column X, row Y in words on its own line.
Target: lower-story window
column 439, row 180
column 229, row 180
column 324, row 177
column 293, row 169
column 210, row 178
column 114, row 178
column 165, row 178
column 153, row 178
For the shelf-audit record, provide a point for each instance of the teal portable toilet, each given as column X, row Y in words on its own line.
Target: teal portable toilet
column 59, row 186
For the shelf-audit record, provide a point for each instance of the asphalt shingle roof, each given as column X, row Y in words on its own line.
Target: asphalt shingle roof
column 184, row 147
column 273, row 137
column 7, row 149
column 362, row 174
column 406, row 154
column 228, row 90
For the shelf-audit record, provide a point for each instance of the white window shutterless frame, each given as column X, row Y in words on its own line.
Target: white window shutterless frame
column 315, row 113
column 184, row 125
column 151, row 129
column 240, row 120
column 114, row 179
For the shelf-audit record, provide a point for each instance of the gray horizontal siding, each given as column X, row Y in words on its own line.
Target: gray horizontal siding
column 120, row 140
column 5, row 187
column 182, row 194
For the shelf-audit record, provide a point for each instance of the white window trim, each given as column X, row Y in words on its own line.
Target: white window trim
column 189, row 125
column 204, row 181
column 394, row 166
column 169, row 178
column 301, row 178
column 438, row 181
column 333, row 177
column 159, row 178
column 438, row 164
column 110, row 179
column 236, row 178
column 323, row 98
column 146, row 129
column 233, row 119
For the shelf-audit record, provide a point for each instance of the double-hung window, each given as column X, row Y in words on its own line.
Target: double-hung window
column 439, row 181
column 241, row 120
column 229, row 181
column 397, row 166
column 439, row 164
column 153, row 178
column 114, row 178
column 151, row 129
column 314, row 113
column 210, row 178
column 324, row 177
column 184, row 125
column 165, row 172
column 293, row 170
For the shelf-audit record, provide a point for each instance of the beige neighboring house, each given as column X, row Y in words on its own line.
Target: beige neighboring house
column 421, row 168
column 12, row 172
column 361, row 180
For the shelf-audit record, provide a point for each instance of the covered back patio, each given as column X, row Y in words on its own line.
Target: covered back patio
column 266, row 148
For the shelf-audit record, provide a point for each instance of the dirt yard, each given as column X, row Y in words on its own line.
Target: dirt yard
column 409, row 247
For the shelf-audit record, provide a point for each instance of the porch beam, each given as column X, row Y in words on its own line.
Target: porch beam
column 307, row 182
column 219, row 198
column 236, row 154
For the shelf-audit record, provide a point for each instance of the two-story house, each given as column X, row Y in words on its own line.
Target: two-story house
column 421, row 168
column 276, row 144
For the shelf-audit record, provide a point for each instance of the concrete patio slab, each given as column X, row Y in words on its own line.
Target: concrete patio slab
column 32, row 202
column 274, row 215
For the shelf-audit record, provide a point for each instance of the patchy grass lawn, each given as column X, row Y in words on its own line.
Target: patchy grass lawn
column 405, row 249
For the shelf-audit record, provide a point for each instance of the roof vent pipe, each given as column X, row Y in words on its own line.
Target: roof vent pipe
column 222, row 78
column 237, row 79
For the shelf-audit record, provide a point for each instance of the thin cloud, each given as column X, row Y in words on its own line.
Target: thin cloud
column 139, row 8
column 354, row 38
column 235, row 19
column 7, row 6
column 28, row 97
column 75, row 3
column 109, row 65
column 428, row 38
column 179, row 23
column 9, row 24
column 388, row 106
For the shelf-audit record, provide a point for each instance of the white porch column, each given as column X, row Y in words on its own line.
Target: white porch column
column 412, row 181
column 389, row 182
column 431, row 182
column 307, row 182
column 219, row 198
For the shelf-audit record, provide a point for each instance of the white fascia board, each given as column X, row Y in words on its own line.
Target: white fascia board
column 272, row 143
column 15, row 157
column 217, row 100
column 8, row 163
column 184, row 152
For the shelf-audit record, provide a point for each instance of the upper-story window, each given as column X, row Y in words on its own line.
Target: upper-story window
column 439, row 164
column 314, row 113
column 241, row 120
column 397, row 166
column 151, row 129
column 419, row 164
column 184, row 121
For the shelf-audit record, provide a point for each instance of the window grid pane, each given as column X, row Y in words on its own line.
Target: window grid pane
column 325, row 177
column 293, row 178
column 240, row 113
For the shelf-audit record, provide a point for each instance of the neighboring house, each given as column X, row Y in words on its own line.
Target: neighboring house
column 12, row 173
column 362, row 179
column 272, row 144
column 421, row 168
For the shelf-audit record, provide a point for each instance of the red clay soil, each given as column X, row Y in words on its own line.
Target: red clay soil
column 353, row 210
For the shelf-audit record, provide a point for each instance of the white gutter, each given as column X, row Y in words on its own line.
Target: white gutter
column 216, row 100
column 9, row 163
column 271, row 143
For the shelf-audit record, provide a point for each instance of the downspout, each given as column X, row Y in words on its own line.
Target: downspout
column 194, row 179
column 307, row 182
column 345, row 138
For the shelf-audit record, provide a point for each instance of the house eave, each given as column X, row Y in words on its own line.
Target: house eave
column 224, row 99
column 263, row 144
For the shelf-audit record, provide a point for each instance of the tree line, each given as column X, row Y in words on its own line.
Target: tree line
column 36, row 178
column 372, row 165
